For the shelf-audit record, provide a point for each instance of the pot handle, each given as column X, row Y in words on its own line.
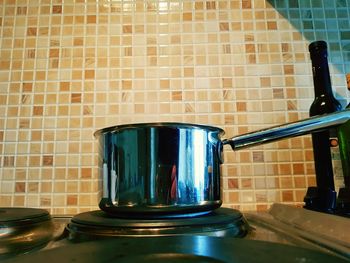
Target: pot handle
column 292, row 129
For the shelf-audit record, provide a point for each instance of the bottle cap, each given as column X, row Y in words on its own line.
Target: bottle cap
column 317, row 46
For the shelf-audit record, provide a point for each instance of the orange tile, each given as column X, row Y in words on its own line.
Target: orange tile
column 72, row 199
column 47, row 160
column 287, row 196
column 233, row 183
column 20, row 187
column 298, row 168
column 246, row 4
column 86, row 172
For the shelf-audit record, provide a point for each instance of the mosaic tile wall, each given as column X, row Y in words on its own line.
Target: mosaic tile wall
column 68, row 68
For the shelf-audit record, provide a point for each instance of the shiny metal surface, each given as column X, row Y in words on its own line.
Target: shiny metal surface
column 179, row 249
column 292, row 129
column 159, row 168
column 265, row 226
column 170, row 168
column 19, row 235
column 93, row 225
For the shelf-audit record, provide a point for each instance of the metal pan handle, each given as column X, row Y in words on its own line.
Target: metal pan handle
column 288, row 130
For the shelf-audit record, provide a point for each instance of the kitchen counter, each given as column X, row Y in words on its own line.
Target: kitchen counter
column 301, row 227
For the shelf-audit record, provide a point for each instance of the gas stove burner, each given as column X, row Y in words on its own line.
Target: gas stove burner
column 23, row 230
column 98, row 224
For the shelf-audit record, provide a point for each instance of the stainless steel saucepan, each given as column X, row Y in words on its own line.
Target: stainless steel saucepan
column 173, row 169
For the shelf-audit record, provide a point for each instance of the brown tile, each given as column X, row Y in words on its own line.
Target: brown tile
column 126, row 84
column 285, row 169
column 57, row 9
column 76, row 98
column 176, row 95
column 246, row 4
column 64, row 86
column 278, row 93
column 258, row 156
column 31, row 31
column 241, row 106
column 187, row 16
column 54, row 53
column 232, row 183
column 271, row 25
column 298, row 168
column 72, row 199
column 262, row 208
column 47, row 160
column 20, row 187
column 299, row 182
column 287, row 196
column 86, row 172
column 38, row 110
column 151, row 51
column 286, row 182
column 299, row 197
column 127, row 29
column 288, row 69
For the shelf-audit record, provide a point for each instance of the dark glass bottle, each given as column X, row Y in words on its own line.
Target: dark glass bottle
column 323, row 196
column 343, row 201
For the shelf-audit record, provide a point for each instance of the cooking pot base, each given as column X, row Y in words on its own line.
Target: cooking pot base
column 158, row 212
column 98, row 224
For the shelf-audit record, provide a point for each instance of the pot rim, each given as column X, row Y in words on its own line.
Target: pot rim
column 117, row 128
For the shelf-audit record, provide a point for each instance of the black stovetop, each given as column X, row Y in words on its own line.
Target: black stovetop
column 282, row 230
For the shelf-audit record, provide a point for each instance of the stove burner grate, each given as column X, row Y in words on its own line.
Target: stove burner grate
column 23, row 230
column 98, row 224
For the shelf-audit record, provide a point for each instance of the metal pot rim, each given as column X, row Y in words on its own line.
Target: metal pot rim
column 118, row 128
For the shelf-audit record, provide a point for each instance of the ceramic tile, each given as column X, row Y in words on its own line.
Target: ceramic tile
column 68, row 69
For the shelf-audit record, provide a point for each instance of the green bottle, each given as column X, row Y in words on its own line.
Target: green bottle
column 343, row 200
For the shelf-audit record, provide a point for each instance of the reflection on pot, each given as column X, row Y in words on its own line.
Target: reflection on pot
column 141, row 171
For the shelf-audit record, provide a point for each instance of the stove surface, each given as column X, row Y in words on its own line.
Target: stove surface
column 179, row 249
column 282, row 225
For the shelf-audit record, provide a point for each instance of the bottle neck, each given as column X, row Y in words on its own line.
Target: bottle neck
column 320, row 72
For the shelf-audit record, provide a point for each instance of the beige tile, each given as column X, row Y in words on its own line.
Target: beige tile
column 238, row 65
